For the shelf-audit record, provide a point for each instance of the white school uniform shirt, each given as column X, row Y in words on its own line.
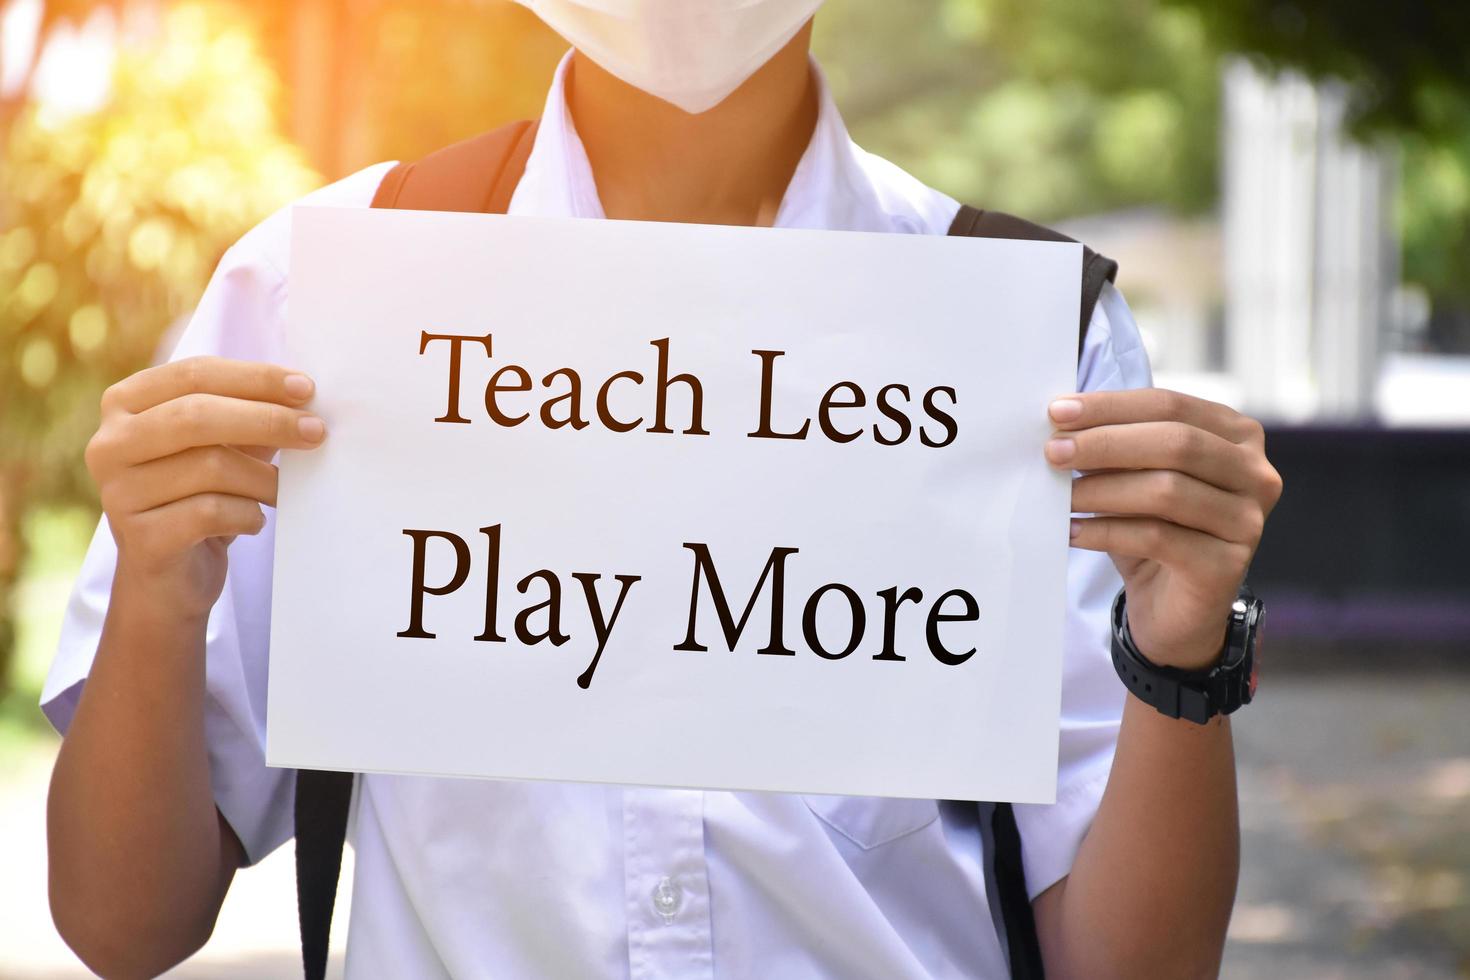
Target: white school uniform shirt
column 477, row 878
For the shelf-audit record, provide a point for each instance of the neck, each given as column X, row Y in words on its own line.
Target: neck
column 730, row 165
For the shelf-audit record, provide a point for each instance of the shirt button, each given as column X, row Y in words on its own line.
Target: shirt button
column 666, row 898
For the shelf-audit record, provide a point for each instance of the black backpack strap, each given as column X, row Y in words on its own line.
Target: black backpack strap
column 477, row 174
column 1009, row 875
column 322, row 802
column 1006, row 864
column 1096, row 269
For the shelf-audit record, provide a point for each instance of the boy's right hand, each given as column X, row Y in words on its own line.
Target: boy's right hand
column 182, row 460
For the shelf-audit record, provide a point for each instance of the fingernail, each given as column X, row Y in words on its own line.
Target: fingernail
column 1061, row 450
column 1065, row 409
column 299, row 386
column 312, row 428
column 1076, row 528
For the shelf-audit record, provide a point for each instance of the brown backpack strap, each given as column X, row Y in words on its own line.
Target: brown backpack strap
column 1097, row 270
column 477, row 174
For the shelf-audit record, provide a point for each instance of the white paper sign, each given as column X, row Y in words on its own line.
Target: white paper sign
column 511, row 555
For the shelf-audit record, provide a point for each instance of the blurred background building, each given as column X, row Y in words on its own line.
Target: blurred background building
column 1286, row 184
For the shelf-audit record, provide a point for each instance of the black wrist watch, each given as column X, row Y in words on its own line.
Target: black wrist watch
column 1194, row 695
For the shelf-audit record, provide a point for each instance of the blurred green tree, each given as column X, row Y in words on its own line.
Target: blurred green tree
column 110, row 224
column 1408, row 63
column 1050, row 108
column 1434, row 211
column 1408, row 68
column 1056, row 108
column 1408, row 72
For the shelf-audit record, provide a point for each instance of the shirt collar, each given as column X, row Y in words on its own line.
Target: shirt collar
column 830, row 187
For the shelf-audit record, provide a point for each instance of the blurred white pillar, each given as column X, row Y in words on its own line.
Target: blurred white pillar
column 1309, row 258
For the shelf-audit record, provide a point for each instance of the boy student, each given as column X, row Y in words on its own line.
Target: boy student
column 669, row 110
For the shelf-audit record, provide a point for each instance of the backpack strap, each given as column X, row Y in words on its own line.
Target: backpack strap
column 1097, row 270
column 478, row 174
column 320, row 814
column 1009, row 875
column 1004, row 837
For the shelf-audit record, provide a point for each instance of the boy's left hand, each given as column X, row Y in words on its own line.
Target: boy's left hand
column 1181, row 488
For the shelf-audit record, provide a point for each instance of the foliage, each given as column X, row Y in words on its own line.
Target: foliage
column 1407, row 62
column 1050, row 108
column 110, row 224
column 56, row 539
column 1434, row 211
column 1408, row 68
column 115, row 220
column 1055, row 108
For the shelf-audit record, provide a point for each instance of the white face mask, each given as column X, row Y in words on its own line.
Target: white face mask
column 692, row 53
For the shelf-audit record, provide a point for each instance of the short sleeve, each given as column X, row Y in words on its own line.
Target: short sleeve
column 1113, row 359
column 241, row 315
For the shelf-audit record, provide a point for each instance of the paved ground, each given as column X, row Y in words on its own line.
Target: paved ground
column 1355, row 802
column 1356, row 811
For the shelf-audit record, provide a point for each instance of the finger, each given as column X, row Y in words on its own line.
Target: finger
column 1093, row 408
column 1157, row 446
column 208, row 420
column 180, row 524
column 1174, row 497
column 1200, row 556
column 264, row 453
column 205, row 469
column 250, row 380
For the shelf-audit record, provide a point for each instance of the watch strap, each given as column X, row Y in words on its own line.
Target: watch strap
column 1194, row 695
